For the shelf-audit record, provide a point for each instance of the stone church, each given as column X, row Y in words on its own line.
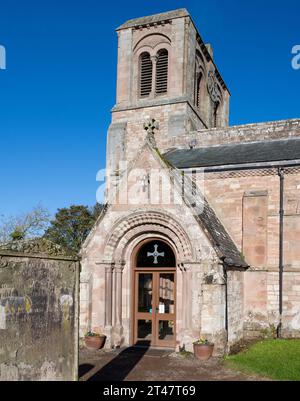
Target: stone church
column 200, row 235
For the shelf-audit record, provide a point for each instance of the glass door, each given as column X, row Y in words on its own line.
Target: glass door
column 144, row 309
column 155, row 309
column 165, row 319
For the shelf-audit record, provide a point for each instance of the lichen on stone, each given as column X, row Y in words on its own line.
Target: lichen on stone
column 35, row 246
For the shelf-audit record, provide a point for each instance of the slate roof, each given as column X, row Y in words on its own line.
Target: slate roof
column 181, row 12
column 240, row 153
column 221, row 239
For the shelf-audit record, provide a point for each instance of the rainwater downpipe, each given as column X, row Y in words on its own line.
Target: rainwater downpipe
column 281, row 265
column 226, row 303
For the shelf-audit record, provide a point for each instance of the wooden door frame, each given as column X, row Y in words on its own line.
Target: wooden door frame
column 134, row 289
column 166, row 316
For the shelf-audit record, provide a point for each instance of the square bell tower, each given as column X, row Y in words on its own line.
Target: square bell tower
column 165, row 72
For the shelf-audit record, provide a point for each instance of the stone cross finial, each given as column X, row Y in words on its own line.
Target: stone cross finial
column 149, row 127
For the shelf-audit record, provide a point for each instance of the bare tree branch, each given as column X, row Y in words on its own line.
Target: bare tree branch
column 27, row 225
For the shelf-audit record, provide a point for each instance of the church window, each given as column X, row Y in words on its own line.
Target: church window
column 156, row 254
column 145, row 75
column 162, row 63
column 198, row 90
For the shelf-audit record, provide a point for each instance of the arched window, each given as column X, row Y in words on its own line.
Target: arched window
column 156, row 254
column 215, row 114
column 145, row 75
column 162, row 64
column 198, row 90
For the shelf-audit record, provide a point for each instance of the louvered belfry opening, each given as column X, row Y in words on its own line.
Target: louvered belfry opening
column 162, row 64
column 198, row 90
column 145, row 75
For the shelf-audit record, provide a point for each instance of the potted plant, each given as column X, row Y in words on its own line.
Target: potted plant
column 203, row 349
column 94, row 340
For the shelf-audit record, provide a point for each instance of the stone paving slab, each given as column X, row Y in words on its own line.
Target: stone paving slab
column 133, row 364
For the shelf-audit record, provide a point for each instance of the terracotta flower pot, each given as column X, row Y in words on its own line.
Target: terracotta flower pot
column 96, row 342
column 203, row 351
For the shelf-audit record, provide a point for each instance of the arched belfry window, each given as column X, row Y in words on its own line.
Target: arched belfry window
column 155, row 254
column 198, row 89
column 145, row 74
column 162, row 65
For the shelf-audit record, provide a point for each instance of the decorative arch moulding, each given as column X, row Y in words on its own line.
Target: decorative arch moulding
column 152, row 41
column 130, row 227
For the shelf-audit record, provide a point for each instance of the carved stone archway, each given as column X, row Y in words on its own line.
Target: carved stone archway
column 141, row 222
column 126, row 233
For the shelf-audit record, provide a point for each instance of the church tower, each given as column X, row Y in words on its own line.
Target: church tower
column 166, row 73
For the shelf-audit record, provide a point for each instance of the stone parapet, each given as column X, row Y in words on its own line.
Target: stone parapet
column 240, row 133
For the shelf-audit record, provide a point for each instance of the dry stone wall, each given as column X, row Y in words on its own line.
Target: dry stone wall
column 38, row 314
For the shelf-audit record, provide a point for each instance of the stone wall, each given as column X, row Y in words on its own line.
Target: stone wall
column 247, row 202
column 38, row 314
column 262, row 303
column 213, row 315
column 235, row 306
column 126, row 135
column 275, row 130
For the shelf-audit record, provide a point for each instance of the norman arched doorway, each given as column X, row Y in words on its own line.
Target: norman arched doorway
column 154, row 303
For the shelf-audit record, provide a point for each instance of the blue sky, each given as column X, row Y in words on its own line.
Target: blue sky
column 59, row 86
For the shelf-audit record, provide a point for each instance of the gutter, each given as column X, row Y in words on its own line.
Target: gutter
column 244, row 166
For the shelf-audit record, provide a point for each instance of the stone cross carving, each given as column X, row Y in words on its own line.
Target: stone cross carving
column 155, row 254
column 149, row 127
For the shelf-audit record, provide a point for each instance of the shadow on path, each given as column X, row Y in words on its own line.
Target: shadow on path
column 119, row 368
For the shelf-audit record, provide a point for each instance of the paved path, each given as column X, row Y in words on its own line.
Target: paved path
column 133, row 364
